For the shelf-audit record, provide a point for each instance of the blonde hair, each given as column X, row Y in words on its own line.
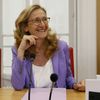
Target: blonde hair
column 21, row 23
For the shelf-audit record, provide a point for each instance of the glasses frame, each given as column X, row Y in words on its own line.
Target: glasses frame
column 37, row 21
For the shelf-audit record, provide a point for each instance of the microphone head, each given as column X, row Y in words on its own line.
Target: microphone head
column 54, row 77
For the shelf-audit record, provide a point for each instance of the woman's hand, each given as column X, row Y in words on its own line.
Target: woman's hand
column 27, row 41
column 80, row 86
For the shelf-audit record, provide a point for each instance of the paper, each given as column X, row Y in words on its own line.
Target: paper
column 43, row 94
column 92, row 85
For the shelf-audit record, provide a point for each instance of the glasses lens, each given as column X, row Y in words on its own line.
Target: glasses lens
column 45, row 19
column 38, row 20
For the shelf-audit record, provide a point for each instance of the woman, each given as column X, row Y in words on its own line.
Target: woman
column 34, row 36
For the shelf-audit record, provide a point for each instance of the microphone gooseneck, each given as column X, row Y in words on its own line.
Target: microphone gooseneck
column 53, row 78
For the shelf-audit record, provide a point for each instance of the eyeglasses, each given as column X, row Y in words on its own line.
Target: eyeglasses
column 37, row 21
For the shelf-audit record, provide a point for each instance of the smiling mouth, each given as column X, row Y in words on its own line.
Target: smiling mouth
column 41, row 30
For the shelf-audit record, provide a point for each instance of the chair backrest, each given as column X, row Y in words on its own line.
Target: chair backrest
column 71, row 54
column 0, row 67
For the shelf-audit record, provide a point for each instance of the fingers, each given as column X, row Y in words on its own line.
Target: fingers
column 30, row 39
column 79, row 86
column 27, row 41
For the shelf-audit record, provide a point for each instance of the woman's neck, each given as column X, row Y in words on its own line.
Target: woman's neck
column 40, row 44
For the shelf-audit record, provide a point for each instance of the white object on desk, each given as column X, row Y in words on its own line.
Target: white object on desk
column 98, row 76
column 92, row 85
column 43, row 94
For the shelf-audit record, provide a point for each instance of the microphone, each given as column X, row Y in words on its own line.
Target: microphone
column 32, row 57
column 53, row 78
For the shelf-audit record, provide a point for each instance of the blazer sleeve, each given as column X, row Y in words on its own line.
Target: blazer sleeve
column 18, row 71
column 69, row 77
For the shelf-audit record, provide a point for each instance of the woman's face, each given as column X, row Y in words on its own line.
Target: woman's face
column 38, row 23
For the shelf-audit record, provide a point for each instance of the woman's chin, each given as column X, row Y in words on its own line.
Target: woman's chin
column 42, row 36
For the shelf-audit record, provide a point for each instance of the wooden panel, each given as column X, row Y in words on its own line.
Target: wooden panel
column 98, row 36
column 0, row 67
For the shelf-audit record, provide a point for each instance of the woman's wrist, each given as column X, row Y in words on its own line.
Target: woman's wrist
column 75, row 86
column 20, row 54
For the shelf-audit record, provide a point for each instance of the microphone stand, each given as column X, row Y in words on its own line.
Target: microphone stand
column 51, row 90
column 53, row 78
column 29, row 91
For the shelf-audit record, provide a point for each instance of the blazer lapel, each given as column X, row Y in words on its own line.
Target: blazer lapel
column 29, row 68
column 55, row 63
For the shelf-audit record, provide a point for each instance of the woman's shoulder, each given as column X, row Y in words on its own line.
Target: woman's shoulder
column 62, row 44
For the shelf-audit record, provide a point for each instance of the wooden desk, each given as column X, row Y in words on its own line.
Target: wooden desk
column 75, row 95
column 10, row 94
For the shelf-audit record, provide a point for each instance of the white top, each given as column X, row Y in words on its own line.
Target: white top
column 42, row 74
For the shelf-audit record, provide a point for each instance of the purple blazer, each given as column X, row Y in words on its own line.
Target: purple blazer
column 61, row 66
